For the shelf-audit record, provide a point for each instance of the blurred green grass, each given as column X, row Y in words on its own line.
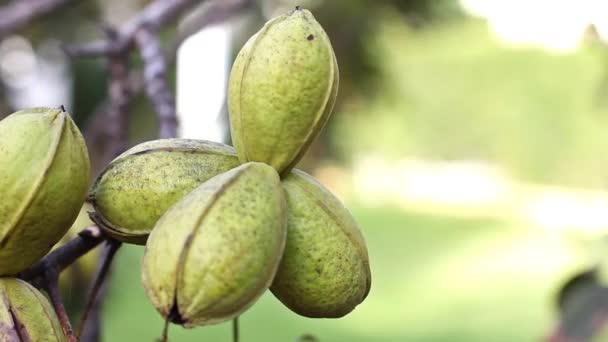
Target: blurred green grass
column 434, row 279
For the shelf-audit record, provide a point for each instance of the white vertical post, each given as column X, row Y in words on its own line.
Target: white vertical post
column 203, row 66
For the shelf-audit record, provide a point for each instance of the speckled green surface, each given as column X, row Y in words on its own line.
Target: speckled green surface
column 136, row 189
column 282, row 89
column 26, row 314
column 325, row 269
column 217, row 250
column 43, row 182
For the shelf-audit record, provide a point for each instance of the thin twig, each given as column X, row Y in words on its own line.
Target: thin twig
column 140, row 32
column 65, row 255
column 19, row 13
column 235, row 329
column 113, row 246
column 155, row 15
column 155, row 76
column 51, row 285
column 143, row 31
column 92, row 330
column 117, row 125
column 165, row 336
column 217, row 12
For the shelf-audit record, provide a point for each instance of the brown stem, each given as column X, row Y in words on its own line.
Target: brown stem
column 92, row 330
column 65, row 255
column 165, row 336
column 235, row 329
column 113, row 247
column 51, row 285
column 45, row 273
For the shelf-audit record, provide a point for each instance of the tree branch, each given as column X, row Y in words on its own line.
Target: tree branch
column 117, row 124
column 142, row 31
column 94, row 293
column 50, row 283
column 45, row 273
column 65, row 255
column 155, row 77
column 156, row 14
column 218, row 11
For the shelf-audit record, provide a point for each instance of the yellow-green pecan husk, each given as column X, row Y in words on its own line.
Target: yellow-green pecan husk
column 136, row 189
column 282, row 89
column 26, row 315
column 217, row 250
column 44, row 176
column 325, row 269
